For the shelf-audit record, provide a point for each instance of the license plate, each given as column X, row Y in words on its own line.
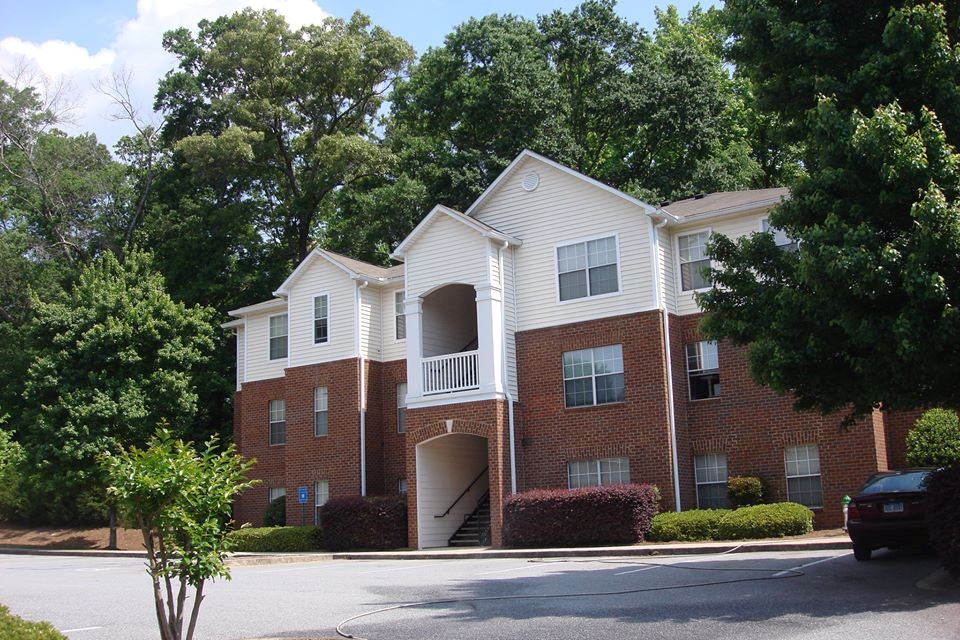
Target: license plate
column 893, row 507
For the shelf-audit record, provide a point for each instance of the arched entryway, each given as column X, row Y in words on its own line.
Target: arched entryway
column 452, row 479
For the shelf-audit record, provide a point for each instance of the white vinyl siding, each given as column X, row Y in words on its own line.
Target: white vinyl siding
column 322, row 278
column 391, row 349
column 447, row 251
column 258, row 365
column 594, row 473
column 562, row 209
column 780, row 237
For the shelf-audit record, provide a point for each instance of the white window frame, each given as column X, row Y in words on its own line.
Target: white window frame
column 321, row 412
column 699, row 260
column 321, row 495
column 598, row 473
column 704, row 364
column 276, row 492
column 608, row 355
column 401, row 407
column 710, row 470
column 277, row 422
column 800, row 466
column 400, row 315
column 324, row 318
column 780, row 237
column 271, row 336
column 401, row 485
column 587, row 267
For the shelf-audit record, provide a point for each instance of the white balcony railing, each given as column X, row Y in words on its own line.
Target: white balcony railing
column 449, row 373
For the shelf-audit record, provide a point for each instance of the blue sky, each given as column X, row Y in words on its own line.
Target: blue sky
column 65, row 46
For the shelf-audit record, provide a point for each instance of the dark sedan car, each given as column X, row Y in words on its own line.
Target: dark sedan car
column 889, row 511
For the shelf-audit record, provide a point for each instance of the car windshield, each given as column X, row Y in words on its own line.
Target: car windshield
column 909, row 481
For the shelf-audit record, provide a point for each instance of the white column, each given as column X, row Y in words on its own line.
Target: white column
column 490, row 338
column 413, row 310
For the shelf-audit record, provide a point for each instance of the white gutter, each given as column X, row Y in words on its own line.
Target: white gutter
column 671, row 414
column 504, row 369
column 363, row 396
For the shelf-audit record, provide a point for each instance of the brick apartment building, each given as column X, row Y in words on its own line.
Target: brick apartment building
column 546, row 337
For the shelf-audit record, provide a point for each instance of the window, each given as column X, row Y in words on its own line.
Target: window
column 320, row 411
column 402, row 407
column 321, row 319
column 400, row 312
column 710, row 471
column 588, row 268
column 321, row 493
column 703, row 370
column 278, row 422
column 780, row 237
column 274, row 493
column 402, row 485
column 693, row 259
column 593, row 376
column 593, row 473
column 803, row 475
column 278, row 337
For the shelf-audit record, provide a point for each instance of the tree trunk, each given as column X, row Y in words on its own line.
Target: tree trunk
column 112, row 542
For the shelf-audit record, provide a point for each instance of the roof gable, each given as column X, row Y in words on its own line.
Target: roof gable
column 354, row 269
column 442, row 212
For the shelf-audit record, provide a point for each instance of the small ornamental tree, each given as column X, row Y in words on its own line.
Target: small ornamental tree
column 180, row 500
column 934, row 440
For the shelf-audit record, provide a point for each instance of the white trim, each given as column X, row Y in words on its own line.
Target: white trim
column 269, row 305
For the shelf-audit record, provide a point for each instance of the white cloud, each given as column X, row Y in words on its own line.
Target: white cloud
column 136, row 48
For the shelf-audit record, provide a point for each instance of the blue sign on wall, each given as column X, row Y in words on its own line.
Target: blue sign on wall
column 302, row 495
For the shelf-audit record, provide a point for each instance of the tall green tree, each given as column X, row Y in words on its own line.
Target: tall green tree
column 109, row 362
column 866, row 312
column 278, row 118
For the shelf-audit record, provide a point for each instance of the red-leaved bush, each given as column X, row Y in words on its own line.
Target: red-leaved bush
column 357, row 522
column 943, row 514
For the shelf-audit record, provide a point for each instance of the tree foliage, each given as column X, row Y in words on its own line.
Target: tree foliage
column 113, row 359
column 866, row 311
column 934, row 440
column 181, row 501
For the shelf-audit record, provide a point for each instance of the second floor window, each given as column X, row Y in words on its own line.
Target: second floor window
column 321, row 319
column 593, row 376
column 588, row 268
column 278, row 421
column 703, row 370
column 401, row 318
column 780, row 237
column 278, row 337
column 320, row 411
column 693, row 260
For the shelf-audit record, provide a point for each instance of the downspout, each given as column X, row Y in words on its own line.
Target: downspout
column 504, row 369
column 363, row 395
column 671, row 414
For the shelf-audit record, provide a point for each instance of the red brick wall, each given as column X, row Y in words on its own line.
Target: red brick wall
column 898, row 425
column 393, row 460
column 251, row 425
column 551, row 435
column 753, row 425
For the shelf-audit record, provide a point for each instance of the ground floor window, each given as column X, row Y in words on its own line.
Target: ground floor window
column 321, row 493
column 593, row 473
column 274, row 493
column 402, row 485
column 711, row 475
column 803, row 475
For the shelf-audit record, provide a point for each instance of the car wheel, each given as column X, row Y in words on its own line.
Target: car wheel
column 861, row 552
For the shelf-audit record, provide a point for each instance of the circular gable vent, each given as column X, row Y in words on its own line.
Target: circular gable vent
column 530, row 181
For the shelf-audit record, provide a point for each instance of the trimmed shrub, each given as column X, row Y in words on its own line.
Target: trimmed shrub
column 943, row 514
column 687, row 526
column 766, row 521
column 276, row 539
column 746, row 491
column 934, row 440
column 15, row 628
column 616, row 514
column 364, row 523
column 276, row 513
